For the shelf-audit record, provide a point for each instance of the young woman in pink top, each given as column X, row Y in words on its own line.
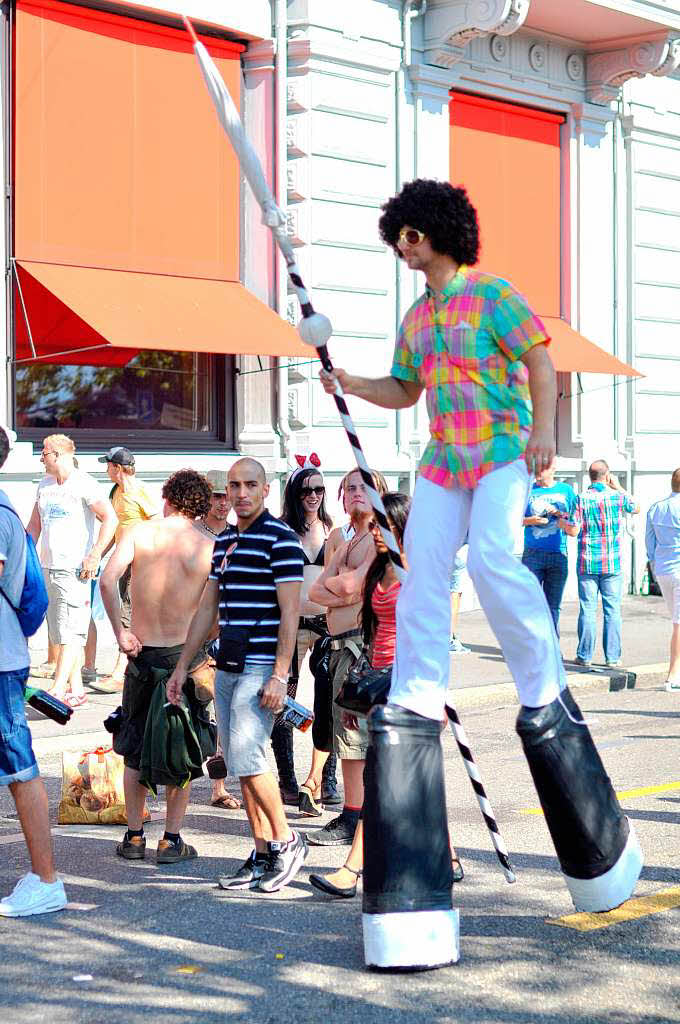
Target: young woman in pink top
column 378, row 622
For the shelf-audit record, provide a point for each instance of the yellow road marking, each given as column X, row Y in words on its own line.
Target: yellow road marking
column 631, row 910
column 626, row 794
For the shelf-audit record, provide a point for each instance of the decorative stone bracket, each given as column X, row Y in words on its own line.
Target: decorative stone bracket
column 449, row 25
column 606, row 72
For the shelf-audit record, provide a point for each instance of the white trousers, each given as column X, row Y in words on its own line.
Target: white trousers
column 509, row 593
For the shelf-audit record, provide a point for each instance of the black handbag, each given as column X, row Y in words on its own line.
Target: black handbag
column 364, row 687
column 232, row 648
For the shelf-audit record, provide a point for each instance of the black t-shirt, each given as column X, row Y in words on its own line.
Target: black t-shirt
column 247, row 567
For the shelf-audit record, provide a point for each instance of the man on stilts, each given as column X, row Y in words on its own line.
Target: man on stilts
column 472, row 343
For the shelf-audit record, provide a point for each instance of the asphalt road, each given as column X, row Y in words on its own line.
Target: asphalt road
column 162, row 945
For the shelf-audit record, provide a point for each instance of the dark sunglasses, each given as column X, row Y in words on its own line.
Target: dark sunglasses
column 306, row 492
column 411, row 235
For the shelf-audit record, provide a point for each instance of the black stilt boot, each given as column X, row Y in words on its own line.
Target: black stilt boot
column 408, row 918
column 282, row 745
column 594, row 841
column 329, row 784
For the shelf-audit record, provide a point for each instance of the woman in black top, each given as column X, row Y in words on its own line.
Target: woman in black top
column 304, row 510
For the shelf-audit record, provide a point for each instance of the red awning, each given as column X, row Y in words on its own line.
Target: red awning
column 101, row 317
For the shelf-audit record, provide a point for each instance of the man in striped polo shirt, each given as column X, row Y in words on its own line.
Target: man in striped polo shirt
column 254, row 591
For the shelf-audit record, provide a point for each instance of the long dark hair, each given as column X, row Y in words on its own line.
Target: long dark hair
column 397, row 506
column 293, row 513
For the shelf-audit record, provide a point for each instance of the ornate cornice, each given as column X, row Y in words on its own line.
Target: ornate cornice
column 606, row 72
column 449, row 25
column 259, row 56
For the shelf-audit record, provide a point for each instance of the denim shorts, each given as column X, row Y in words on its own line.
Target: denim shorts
column 244, row 727
column 17, row 760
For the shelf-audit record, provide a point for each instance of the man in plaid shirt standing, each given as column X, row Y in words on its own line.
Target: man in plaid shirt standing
column 474, row 346
column 600, row 513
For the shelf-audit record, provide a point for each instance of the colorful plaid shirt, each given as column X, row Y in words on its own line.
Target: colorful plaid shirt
column 464, row 346
column 600, row 514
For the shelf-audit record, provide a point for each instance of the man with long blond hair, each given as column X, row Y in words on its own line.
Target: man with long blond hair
column 68, row 506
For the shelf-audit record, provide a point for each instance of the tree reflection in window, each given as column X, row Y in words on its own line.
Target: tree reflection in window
column 154, row 391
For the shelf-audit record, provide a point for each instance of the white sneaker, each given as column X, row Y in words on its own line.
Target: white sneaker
column 673, row 684
column 33, row 896
column 457, row 647
column 284, row 860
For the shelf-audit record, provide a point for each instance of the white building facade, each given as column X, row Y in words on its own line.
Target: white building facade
column 578, row 103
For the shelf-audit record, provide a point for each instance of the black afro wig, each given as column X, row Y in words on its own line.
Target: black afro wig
column 443, row 213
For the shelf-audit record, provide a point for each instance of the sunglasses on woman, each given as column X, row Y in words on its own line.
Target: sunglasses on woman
column 411, row 235
column 306, row 492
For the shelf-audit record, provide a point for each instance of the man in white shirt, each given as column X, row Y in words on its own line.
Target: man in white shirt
column 68, row 505
column 662, row 539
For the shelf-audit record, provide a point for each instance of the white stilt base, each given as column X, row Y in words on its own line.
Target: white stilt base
column 614, row 887
column 413, row 940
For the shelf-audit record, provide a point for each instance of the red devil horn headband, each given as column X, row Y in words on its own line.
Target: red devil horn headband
column 311, row 461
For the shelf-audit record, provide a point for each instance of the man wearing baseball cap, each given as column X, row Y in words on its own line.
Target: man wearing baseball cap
column 220, row 506
column 132, row 504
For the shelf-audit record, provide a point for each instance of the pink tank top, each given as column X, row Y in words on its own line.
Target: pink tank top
column 384, row 604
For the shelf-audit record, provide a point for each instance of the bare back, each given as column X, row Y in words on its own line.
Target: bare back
column 169, row 570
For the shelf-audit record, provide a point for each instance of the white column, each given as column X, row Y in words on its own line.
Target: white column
column 428, row 130
column 254, row 391
column 592, row 296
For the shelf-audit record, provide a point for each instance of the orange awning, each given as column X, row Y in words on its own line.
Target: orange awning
column 572, row 353
column 103, row 317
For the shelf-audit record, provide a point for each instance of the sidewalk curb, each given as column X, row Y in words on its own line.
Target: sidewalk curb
column 597, row 681
column 80, row 741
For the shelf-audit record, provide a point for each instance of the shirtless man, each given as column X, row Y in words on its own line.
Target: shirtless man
column 170, row 560
column 339, row 589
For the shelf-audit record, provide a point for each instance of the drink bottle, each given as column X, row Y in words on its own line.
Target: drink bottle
column 48, row 705
column 296, row 714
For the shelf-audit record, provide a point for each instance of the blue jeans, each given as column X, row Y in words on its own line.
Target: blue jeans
column 17, row 760
column 551, row 569
column 609, row 585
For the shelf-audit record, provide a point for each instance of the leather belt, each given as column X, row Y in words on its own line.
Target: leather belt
column 338, row 642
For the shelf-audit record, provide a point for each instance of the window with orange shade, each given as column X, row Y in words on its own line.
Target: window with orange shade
column 120, row 164
column 508, row 158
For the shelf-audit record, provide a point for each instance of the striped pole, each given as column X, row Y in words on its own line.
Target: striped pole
column 478, row 786
column 315, row 329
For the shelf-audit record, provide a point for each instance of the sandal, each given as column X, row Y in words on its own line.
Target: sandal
column 76, row 702
column 457, row 868
column 231, row 803
column 307, row 801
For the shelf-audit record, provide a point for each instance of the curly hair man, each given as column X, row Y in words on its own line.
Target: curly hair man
column 170, row 559
column 472, row 343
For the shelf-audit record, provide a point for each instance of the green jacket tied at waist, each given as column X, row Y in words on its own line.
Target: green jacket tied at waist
column 177, row 738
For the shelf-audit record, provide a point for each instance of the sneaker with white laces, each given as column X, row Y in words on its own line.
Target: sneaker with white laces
column 284, row 860
column 33, row 896
column 457, row 647
column 673, row 684
column 248, row 875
